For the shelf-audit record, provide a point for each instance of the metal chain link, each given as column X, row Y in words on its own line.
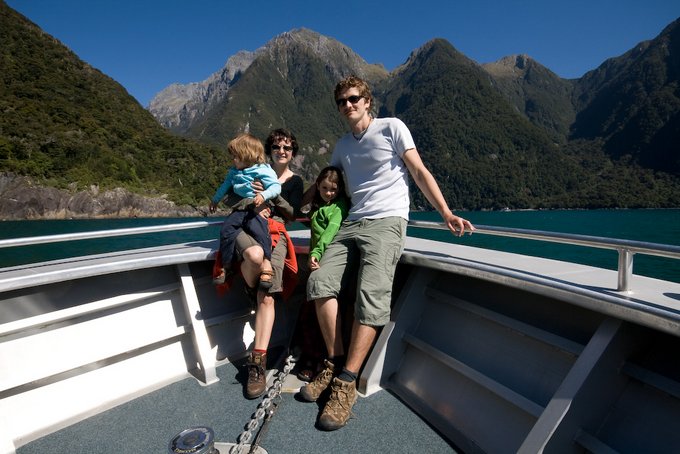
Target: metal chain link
column 274, row 392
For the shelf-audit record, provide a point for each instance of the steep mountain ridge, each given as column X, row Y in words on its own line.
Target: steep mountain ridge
column 536, row 92
column 530, row 91
column 441, row 94
column 178, row 105
column 288, row 84
column 632, row 103
column 65, row 123
column 494, row 135
column 186, row 108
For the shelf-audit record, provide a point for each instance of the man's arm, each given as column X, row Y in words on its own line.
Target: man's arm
column 428, row 185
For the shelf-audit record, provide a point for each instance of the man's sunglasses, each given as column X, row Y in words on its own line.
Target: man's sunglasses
column 352, row 100
column 285, row 147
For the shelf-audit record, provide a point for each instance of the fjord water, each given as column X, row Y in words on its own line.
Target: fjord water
column 654, row 226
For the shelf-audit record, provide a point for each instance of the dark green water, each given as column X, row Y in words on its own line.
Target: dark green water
column 655, row 226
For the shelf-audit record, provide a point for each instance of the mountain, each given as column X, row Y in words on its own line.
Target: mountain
column 177, row 106
column 495, row 135
column 535, row 92
column 506, row 134
column 69, row 126
column 482, row 152
column 632, row 103
column 286, row 83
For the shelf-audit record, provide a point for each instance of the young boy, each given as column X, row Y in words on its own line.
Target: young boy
column 249, row 164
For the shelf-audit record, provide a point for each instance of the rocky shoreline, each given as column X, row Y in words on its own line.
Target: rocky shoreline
column 22, row 199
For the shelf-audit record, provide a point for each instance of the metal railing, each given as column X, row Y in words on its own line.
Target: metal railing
column 30, row 241
column 626, row 248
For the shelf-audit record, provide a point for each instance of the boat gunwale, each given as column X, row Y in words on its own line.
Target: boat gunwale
column 626, row 249
column 620, row 304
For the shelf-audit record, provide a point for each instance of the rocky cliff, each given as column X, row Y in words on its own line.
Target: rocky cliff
column 177, row 106
column 21, row 198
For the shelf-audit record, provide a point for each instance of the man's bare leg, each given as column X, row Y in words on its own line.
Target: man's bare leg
column 330, row 322
column 329, row 317
column 343, row 388
column 359, row 346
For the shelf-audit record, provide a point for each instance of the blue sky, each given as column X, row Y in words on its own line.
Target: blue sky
column 146, row 45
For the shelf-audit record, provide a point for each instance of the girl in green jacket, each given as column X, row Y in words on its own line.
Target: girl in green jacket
column 329, row 209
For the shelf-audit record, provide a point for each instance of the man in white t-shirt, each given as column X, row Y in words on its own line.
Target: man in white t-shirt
column 376, row 159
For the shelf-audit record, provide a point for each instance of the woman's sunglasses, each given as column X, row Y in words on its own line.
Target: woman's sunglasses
column 285, row 147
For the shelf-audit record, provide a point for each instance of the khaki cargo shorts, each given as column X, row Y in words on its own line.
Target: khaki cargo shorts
column 369, row 250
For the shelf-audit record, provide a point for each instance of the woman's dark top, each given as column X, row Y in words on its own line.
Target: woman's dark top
column 288, row 209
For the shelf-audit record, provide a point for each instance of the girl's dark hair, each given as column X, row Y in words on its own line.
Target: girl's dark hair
column 280, row 134
column 334, row 175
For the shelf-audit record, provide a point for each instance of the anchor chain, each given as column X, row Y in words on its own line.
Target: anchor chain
column 264, row 410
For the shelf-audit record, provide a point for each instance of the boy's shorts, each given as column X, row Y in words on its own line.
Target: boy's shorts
column 368, row 249
column 244, row 241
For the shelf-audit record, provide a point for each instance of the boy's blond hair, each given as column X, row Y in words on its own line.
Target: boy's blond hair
column 247, row 148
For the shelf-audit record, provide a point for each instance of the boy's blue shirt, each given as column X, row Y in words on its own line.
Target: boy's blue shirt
column 241, row 182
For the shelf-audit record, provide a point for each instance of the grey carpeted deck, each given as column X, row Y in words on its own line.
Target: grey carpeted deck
column 382, row 423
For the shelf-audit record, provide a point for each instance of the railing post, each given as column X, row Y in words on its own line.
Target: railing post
column 625, row 269
column 201, row 341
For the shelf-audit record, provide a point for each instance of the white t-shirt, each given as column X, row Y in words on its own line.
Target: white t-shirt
column 376, row 177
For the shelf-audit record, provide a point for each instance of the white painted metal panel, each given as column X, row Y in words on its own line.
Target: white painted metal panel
column 68, row 347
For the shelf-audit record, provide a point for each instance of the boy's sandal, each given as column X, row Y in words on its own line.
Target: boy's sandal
column 266, row 278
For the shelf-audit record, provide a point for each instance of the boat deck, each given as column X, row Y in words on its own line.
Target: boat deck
column 381, row 423
column 486, row 352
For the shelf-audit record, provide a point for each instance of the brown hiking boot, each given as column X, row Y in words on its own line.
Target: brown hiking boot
column 257, row 378
column 312, row 390
column 338, row 409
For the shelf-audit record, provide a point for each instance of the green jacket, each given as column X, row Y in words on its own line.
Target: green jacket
column 325, row 223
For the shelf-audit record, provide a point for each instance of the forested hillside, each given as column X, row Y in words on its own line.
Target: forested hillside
column 66, row 124
column 509, row 134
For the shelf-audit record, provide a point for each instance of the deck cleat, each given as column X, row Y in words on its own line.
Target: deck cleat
column 196, row 440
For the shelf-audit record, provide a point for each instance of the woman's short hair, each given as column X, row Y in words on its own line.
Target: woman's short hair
column 280, row 134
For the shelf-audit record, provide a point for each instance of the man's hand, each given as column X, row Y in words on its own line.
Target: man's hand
column 458, row 225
